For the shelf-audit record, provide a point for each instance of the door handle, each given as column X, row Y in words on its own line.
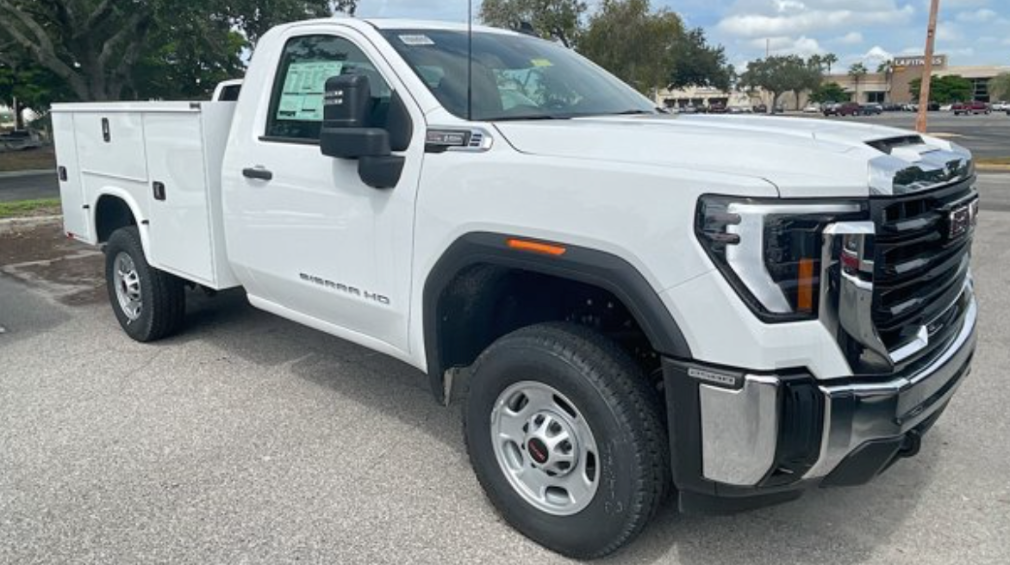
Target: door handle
column 258, row 173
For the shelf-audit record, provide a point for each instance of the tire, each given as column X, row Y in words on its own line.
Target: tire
column 582, row 381
column 149, row 304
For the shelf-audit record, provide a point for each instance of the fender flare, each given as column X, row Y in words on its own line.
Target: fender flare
column 131, row 203
column 581, row 264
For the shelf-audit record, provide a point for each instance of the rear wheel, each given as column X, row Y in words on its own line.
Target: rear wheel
column 149, row 304
column 566, row 437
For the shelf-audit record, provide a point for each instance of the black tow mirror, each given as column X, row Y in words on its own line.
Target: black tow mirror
column 347, row 133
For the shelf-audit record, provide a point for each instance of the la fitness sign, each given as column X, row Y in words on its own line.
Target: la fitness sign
column 938, row 61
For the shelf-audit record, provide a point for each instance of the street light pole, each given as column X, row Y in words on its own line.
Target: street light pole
column 927, row 70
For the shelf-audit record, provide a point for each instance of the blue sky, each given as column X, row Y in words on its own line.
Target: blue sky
column 972, row 32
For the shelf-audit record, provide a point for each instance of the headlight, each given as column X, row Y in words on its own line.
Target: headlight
column 770, row 250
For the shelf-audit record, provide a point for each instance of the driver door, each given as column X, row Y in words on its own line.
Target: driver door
column 310, row 239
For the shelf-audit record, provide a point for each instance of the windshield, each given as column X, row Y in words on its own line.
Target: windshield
column 514, row 77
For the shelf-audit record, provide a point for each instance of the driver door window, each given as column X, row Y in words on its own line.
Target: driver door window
column 296, row 105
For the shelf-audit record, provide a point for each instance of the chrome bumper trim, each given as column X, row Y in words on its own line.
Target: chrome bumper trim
column 739, row 430
column 856, row 413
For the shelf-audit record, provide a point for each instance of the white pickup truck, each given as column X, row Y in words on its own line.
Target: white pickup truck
column 729, row 309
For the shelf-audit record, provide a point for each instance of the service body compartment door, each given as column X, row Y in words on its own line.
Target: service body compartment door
column 179, row 228
column 75, row 215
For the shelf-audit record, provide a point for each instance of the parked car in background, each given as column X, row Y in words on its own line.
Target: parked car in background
column 892, row 107
column 970, row 108
column 946, row 107
column 871, row 110
column 760, row 109
column 717, row 108
column 19, row 140
column 1001, row 106
column 845, row 109
column 812, row 108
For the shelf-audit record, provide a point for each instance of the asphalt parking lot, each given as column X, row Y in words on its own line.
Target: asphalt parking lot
column 985, row 136
column 250, row 439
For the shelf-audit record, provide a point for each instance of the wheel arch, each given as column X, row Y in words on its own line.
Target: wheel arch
column 480, row 260
column 116, row 208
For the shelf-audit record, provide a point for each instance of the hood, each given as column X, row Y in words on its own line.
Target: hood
column 801, row 157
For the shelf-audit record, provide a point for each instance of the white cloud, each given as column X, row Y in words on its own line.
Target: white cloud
column 982, row 15
column 851, row 38
column 948, row 32
column 876, row 56
column 803, row 19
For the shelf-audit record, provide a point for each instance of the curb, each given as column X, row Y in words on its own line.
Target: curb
column 993, row 168
column 28, row 173
column 12, row 225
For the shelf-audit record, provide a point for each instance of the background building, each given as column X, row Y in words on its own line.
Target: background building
column 894, row 86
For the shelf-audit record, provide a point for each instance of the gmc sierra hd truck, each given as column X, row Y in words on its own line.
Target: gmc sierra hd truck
column 631, row 305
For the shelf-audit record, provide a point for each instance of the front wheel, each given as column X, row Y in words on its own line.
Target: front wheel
column 149, row 304
column 566, row 437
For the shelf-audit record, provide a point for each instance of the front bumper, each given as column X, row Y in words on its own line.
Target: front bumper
column 759, row 438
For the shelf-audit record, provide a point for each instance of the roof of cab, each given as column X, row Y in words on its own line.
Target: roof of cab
column 388, row 23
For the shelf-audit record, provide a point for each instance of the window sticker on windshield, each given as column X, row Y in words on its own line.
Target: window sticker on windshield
column 416, row 40
column 542, row 63
column 304, row 86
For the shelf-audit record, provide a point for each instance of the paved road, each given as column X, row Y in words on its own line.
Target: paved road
column 986, row 136
column 249, row 439
column 31, row 186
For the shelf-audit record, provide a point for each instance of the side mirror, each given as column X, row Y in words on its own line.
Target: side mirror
column 346, row 134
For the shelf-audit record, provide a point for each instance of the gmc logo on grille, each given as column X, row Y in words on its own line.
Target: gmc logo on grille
column 962, row 219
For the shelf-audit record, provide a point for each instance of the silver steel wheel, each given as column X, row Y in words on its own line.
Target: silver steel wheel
column 545, row 448
column 127, row 282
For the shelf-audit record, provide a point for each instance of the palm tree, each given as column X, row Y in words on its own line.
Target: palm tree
column 887, row 69
column 828, row 60
column 857, row 71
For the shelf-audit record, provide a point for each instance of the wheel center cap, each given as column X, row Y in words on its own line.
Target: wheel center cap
column 538, row 451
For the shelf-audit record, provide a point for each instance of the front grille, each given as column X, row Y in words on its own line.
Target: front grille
column 920, row 270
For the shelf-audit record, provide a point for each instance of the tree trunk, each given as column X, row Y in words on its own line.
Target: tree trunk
column 19, row 119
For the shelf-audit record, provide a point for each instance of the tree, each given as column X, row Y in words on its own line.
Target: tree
column 550, row 18
column 807, row 78
column 777, row 75
column 634, row 43
column 945, row 90
column 999, row 87
column 829, row 92
column 695, row 63
column 829, row 60
column 857, row 71
column 96, row 46
column 886, row 68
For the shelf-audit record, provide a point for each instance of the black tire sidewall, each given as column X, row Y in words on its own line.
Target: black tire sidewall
column 606, row 518
column 127, row 240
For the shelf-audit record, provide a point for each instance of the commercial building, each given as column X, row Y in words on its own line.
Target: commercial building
column 895, row 85
column 892, row 86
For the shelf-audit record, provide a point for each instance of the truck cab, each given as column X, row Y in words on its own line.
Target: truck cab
column 628, row 305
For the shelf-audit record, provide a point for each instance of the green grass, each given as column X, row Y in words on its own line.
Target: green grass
column 30, row 208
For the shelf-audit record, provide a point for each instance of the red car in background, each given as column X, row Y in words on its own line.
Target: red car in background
column 969, row 108
column 846, row 109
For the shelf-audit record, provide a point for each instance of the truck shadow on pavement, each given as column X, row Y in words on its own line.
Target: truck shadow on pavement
column 842, row 525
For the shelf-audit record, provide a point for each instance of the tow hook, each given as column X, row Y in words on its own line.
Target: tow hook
column 911, row 444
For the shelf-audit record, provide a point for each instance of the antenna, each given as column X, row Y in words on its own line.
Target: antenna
column 469, row 62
